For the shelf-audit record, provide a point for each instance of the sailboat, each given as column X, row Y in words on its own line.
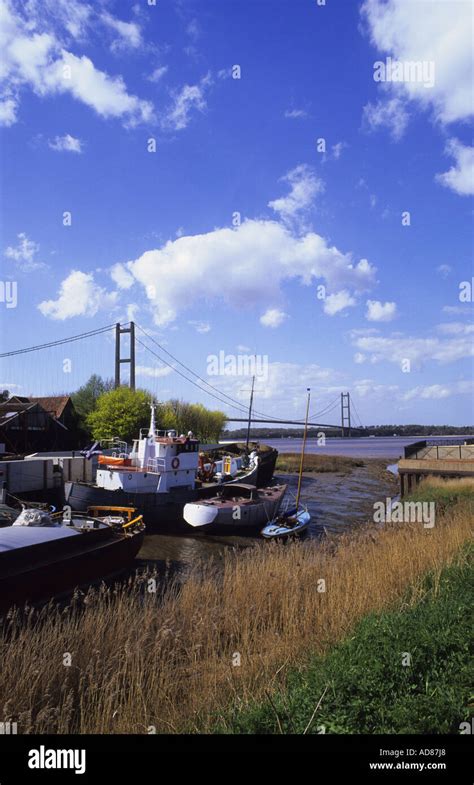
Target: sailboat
column 296, row 519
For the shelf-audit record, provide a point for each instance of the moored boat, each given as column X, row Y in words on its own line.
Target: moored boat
column 44, row 555
column 164, row 471
column 296, row 520
column 235, row 506
column 288, row 524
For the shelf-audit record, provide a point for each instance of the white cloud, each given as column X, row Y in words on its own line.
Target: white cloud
column 72, row 15
column 200, row 327
column 24, row 254
column 458, row 309
column 121, row 277
column 152, row 371
column 40, row 61
column 439, row 391
column 304, row 187
column 129, row 32
column 158, row 73
column 193, row 30
column 460, row 178
column 78, row 295
column 8, row 112
column 244, row 266
column 380, row 312
column 67, row 142
column 398, row 348
column 444, row 270
column 389, row 113
column 284, row 388
column 334, row 303
column 456, row 328
column 359, row 358
column 337, row 149
column 273, row 317
column 432, row 31
column 296, row 114
column 189, row 98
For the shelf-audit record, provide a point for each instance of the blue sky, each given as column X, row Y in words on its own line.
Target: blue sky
column 154, row 236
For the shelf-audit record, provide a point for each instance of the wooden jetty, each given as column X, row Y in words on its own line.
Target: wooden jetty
column 432, row 459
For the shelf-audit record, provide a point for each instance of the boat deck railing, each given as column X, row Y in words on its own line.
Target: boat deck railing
column 155, row 465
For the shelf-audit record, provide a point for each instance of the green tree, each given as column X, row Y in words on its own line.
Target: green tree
column 85, row 398
column 206, row 425
column 120, row 412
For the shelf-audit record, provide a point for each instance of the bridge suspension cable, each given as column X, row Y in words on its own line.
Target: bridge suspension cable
column 59, row 342
column 241, row 409
column 218, row 394
column 356, row 412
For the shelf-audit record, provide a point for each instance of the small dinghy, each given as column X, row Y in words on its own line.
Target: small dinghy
column 297, row 519
column 288, row 524
column 43, row 555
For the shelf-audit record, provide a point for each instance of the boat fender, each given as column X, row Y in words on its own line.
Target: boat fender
column 175, row 463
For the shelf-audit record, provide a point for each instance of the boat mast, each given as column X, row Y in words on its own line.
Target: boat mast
column 152, row 428
column 298, row 493
column 250, row 413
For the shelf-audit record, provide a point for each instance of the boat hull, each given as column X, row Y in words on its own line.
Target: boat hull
column 162, row 512
column 35, row 573
column 234, row 513
column 276, row 530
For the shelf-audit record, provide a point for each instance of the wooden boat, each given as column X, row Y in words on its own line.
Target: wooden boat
column 235, row 506
column 43, row 555
column 297, row 519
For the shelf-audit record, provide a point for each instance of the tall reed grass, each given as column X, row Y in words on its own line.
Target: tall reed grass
column 176, row 660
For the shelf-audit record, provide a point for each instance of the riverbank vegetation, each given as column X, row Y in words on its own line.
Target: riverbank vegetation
column 445, row 492
column 290, row 462
column 186, row 657
column 405, row 671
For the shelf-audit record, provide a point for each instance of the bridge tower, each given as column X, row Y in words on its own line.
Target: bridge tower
column 345, row 414
column 119, row 360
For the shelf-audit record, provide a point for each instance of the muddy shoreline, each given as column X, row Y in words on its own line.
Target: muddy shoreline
column 337, row 501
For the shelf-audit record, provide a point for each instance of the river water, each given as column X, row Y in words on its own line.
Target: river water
column 390, row 447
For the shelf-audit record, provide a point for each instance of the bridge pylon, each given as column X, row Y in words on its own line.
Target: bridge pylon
column 119, row 360
column 345, row 414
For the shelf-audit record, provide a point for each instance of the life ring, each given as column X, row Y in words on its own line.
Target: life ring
column 175, row 463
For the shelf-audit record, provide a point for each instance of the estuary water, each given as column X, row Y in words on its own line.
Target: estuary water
column 390, row 447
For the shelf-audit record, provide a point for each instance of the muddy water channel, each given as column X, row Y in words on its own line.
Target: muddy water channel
column 336, row 501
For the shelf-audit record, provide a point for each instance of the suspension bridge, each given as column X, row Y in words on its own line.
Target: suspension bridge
column 28, row 367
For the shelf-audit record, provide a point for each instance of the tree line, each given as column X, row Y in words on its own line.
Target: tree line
column 105, row 412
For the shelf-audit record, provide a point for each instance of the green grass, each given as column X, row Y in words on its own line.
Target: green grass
column 444, row 493
column 290, row 462
column 362, row 685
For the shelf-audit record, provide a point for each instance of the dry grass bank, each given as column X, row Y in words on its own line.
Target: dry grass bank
column 138, row 660
column 290, row 462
